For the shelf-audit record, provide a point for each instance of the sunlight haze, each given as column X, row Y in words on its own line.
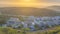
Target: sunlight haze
column 28, row 3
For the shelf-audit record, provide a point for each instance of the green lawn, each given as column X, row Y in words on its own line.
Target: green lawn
column 8, row 30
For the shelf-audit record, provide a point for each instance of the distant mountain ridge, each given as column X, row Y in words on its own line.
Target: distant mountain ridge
column 28, row 11
column 55, row 7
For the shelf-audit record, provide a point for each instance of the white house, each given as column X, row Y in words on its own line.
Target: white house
column 24, row 25
column 56, row 18
column 28, row 19
column 13, row 21
column 46, row 18
column 50, row 23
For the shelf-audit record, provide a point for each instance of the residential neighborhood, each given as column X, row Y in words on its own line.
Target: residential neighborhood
column 31, row 22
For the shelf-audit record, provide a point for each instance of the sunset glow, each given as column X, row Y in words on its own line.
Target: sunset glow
column 28, row 1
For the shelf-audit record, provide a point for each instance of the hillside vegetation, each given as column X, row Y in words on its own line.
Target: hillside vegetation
column 28, row 11
column 8, row 30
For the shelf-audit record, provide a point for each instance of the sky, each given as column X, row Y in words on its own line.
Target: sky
column 28, row 3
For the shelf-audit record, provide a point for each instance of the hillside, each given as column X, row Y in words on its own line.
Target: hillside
column 28, row 11
column 54, row 7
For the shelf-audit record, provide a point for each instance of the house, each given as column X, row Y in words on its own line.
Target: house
column 46, row 18
column 13, row 22
column 50, row 23
column 56, row 18
column 25, row 25
column 28, row 19
column 37, row 20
